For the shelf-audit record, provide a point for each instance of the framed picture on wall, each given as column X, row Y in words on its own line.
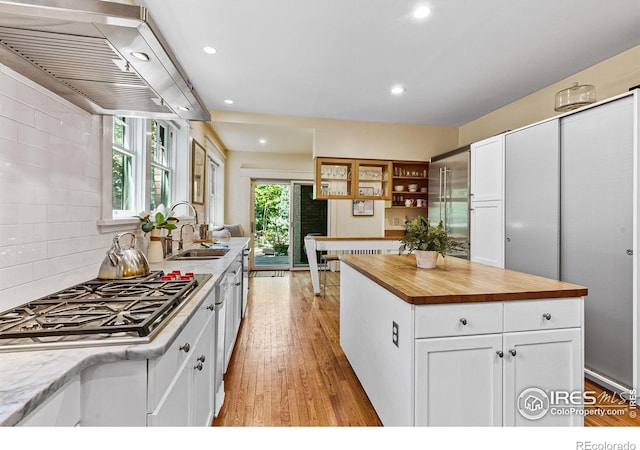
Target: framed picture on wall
column 198, row 158
column 363, row 207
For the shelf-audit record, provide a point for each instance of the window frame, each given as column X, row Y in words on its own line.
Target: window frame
column 140, row 149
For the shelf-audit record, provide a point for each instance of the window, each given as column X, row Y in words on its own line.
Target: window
column 161, row 152
column 123, row 161
column 142, row 164
column 212, row 175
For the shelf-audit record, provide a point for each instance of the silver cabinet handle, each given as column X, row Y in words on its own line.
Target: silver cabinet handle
column 547, row 316
column 202, row 358
column 463, row 321
column 500, row 353
column 198, row 366
column 508, row 239
column 630, row 252
column 513, row 352
column 210, row 307
column 186, row 347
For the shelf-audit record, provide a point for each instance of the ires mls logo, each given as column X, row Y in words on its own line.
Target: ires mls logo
column 534, row 403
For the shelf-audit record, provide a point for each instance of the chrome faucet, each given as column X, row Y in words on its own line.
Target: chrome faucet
column 180, row 242
column 184, row 202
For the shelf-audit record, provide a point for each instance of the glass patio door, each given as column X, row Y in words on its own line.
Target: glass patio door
column 270, row 223
column 283, row 213
column 308, row 216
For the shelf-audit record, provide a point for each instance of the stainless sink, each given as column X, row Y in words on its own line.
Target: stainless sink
column 200, row 253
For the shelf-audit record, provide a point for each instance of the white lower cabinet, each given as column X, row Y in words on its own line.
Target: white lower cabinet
column 459, row 381
column 529, row 374
column 547, row 360
column 187, row 401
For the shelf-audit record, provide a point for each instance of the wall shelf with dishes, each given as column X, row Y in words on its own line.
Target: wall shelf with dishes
column 358, row 179
column 410, row 184
column 409, row 193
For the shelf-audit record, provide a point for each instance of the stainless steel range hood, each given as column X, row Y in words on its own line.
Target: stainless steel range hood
column 85, row 51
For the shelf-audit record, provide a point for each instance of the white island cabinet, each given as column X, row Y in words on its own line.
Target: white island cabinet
column 461, row 345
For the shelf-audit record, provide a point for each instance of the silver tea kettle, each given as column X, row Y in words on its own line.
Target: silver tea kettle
column 123, row 263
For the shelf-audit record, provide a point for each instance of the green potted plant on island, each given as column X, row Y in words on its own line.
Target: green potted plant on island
column 428, row 241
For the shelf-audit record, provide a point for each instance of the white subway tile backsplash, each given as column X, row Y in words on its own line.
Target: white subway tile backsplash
column 50, row 192
column 53, row 125
column 8, row 84
column 32, row 213
column 16, row 110
column 8, row 213
column 13, row 151
column 9, row 193
column 65, row 247
column 8, row 129
column 8, row 256
column 31, row 136
column 15, row 275
column 16, row 234
column 31, row 252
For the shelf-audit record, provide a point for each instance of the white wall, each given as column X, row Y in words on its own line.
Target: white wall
column 50, row 180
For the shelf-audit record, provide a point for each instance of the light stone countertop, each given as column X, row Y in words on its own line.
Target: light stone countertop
column 28, row 378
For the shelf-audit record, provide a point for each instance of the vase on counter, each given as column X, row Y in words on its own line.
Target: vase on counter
column 426, row 259
column 155, row 254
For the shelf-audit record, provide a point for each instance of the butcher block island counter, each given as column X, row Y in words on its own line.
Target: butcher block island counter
column 464, row 344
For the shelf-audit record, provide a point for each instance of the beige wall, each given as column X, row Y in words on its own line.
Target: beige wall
column 333, row 138
column 200, row 131
column 241, row 167
column 610, row 77
column 358, row 139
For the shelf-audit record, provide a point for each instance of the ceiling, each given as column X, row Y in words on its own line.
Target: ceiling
column 340, row 58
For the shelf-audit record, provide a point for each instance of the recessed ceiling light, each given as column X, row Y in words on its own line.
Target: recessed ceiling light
column 421, row 12
column 209, row 50
column 263, row 141
column 229, row 102
column 398, row 90
column 183, row 108
column 140, row 55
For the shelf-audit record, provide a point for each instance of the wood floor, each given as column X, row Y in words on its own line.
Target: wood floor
column 288, row 368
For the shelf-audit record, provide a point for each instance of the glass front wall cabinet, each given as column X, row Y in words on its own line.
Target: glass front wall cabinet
column 334, row 178
column 373, row 180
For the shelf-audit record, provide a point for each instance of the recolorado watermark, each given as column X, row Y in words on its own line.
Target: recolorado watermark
column 589, row 445
column 534, row 404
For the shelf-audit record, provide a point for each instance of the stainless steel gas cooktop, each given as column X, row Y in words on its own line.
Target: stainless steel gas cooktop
column 98, row 312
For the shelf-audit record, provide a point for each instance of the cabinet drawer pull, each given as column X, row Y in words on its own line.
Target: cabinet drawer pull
column 210, row 307
column 500, row 353
column 547, row 316
column 198, row 366
column 463, row 321
column 186, row 347
column 513, row 352
column 202, row 358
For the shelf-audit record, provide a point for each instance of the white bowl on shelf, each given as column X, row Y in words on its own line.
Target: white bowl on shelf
column 398, row 188
column 413, row 188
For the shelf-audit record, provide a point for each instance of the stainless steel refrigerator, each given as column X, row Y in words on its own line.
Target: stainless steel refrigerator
column 449, row 194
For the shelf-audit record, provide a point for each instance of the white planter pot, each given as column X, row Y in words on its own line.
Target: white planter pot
column 155, row 253
column 426, row 259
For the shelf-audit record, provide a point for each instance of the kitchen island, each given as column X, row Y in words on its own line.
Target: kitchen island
column 464, row 344
column 126, row 385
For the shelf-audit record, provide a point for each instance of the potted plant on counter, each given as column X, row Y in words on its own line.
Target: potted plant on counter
column 154, row 222
column 428, row 242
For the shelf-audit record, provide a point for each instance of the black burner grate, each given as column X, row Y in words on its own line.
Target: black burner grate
column 133, row 306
